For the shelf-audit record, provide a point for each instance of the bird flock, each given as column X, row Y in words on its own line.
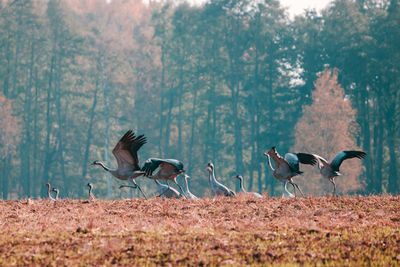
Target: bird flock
column 284, row 169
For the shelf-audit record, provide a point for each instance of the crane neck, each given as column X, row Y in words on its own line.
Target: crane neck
column 212, row 176
column 49, row 193
column 269, row 162
column 57, row 193
column 287, row 193
column 186, row 187
column 159, row 184
column 104, row 166
column 241, row 185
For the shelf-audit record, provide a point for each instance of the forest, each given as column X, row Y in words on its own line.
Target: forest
column 223, row 82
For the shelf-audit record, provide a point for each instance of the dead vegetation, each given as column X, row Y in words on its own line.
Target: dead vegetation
column 334, row 231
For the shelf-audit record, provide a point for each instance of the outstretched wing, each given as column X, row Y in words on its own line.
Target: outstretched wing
column 125, row 151
column 153, row 163
column 338, row 159
column 321, row 161
column 307, row 158
column 293, row 161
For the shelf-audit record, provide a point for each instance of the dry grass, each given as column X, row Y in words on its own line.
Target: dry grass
column 333, row 231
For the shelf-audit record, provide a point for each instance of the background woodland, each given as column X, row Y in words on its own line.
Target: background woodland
column 224, row 82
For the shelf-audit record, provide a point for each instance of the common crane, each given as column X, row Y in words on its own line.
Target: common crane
column 187, row 192
column 331, row 170
column 125, row 152
column 288, row 167
column 168, row 170
column 91, row 195
column 48, row 192
column 57, row 192
column 217, row 189
column 242, row 190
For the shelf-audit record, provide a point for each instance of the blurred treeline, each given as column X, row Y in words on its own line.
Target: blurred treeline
column 223, row 81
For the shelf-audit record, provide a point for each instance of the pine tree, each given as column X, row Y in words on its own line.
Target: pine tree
column 328, row 126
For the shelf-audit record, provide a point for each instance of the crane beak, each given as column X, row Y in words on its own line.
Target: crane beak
column 265, row 154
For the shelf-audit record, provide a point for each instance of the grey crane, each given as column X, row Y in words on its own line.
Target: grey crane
column 57, row 192
column 288, row 167
column 91, row 195
column 125, row 152
column 331, row 170
column 242, row 190
column 217, row 189
column 168, row 170
column 187, row 192
column 48, row 192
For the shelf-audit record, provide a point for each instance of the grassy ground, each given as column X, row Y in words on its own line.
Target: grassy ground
column 340, row 231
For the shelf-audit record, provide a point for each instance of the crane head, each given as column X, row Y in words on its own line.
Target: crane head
column 90, row 185
column 96, row 162
column 48, row 185
column 186, row 176
column 210, row 167
column 238, row 177
column 55, row 190
column 271, row 151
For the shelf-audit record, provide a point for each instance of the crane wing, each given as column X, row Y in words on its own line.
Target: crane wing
column 338, row 159
column 321, row 161
column 293, row 161
column 125, row 151
column 166, row 164
column 307, row 158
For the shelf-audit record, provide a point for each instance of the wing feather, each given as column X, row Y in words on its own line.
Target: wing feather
column 125, row 151
column 153, row 163
column 321, row 161
column 338, row 159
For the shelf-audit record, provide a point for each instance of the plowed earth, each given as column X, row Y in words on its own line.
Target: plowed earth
column 341, row 231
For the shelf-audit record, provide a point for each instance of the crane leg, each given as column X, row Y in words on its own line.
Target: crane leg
column 135, row 184
column 334, row 186
column 298, row 188
column 180, row 187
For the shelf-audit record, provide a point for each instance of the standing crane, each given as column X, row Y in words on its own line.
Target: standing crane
column 288, row 167
column 331, row 170
column 187, row 192
column 91, row 195
column 217, row 189
column 168, row 170
column 48, row 192
column 125, row 152
column 242, row 190
column 57, row 192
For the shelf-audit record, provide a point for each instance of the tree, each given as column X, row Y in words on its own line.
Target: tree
column 328, row 126
column 9, row 129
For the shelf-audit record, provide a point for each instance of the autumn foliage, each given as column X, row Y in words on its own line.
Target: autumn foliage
column 327, row 127
column 9, row 127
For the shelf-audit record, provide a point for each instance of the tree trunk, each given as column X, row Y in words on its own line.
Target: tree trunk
column 89, row 138
column 192, row 130
column 168, row 123
column 162, row 93
column 107, row 124
column 47, row 152
column 378, row 149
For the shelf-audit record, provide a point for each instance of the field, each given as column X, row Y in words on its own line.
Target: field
column 339, row 231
